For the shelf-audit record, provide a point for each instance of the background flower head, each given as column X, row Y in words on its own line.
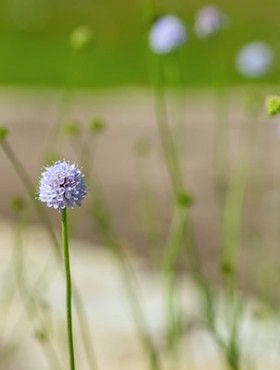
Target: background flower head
column 254, row 59
column 80, row 37
column 62, row 185
column 166, row 34
column 209, row 20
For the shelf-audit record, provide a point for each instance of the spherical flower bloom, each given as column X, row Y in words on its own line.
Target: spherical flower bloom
column 254, row 59
column 62, row 185
column 166, row 34
column 209, row 20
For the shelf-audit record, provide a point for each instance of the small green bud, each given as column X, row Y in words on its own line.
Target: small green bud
column 272, row 105
column 80, row 37
column 96, row 125
column 71, row 129
column 185, row 199
column 17, row 203
column 227, row 268
column 3, row 132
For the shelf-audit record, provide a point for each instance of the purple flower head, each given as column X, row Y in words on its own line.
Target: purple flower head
column 209, row 20
column 62, row 185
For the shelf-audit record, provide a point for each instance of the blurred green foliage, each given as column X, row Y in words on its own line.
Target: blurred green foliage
column 35, row 49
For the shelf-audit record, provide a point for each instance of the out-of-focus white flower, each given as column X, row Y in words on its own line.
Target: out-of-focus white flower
column 254, row 59
column 166, row 34
column 209, row 20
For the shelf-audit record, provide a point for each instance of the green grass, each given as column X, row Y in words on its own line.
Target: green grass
column 35, row 50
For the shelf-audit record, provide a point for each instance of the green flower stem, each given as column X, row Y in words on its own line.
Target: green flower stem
column 30, row 190
column 232, row 349
column 99, row 213
column 157, row 76
column 148, row 11
column 232, row 238
column 175, row 74
column 64, row 230
column 32, row 307
column 171, row 156
column 52, row 143
column 83, row 322
column 221, row 155
column 166, row 134
column 233, row 209
column 176, row 237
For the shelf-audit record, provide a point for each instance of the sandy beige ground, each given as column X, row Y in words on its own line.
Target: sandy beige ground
column 109, row 314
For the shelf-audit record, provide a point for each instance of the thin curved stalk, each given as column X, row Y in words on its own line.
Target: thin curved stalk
column 83, row 321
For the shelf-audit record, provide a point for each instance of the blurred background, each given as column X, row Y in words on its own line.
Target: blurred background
column 35, row 49
column 83, row 81
column 64, row 62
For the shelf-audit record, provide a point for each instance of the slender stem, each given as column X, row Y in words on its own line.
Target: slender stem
column 232, row 237
column 99, row 212
column 83, row 321
column 30, row 190
column 176, row 237
column 166, row 134
column 64, row 230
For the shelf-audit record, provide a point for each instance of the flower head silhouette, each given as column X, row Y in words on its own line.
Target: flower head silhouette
column 62, row 185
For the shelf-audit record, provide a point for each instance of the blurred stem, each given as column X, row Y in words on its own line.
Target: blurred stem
column 232, row 354
column 150, row 215
column 233, row 208
column 83, row 322
column 73, row 72
column 99, row 213
column 169, row 149
column 151, row 225
column 221, row 145
column 232, row 237
column 205, row 289
column 64, row 232
column 157, row 76
column 166, row 135
column 176, row 64
column 176, row 237
column 221, row 128
column 30, row 191
column 31, row 307
column 148, row 10
column 87, row 153
column 52, row 143
column 176, row 232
